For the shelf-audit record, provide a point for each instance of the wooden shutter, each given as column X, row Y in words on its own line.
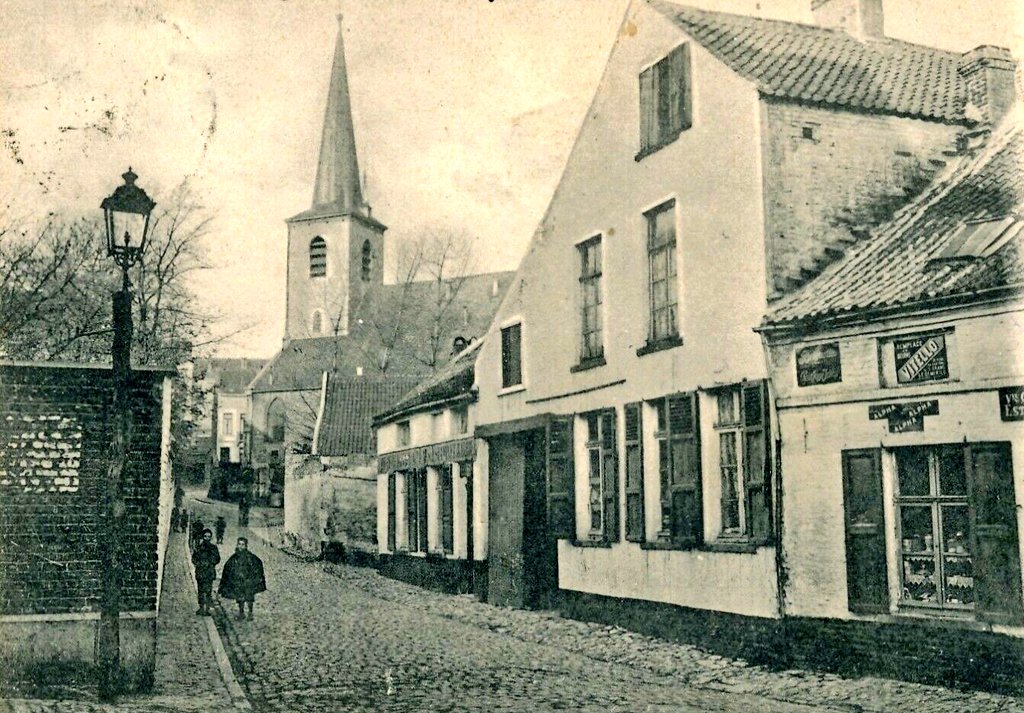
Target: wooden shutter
column 610, row 472
column 392, row 511
column 686, row 487
column 410, row 510
column 756, row 463
column 867, row 579
column 561, row 479
column 996, row 554
column 648, row 109
column 447, row 510
column 635, row 524
column 681, row 92
column 421, row 497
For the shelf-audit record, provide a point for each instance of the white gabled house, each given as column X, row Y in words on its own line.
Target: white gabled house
column 631, row 469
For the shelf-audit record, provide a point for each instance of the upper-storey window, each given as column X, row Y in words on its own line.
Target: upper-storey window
column 511, row 355
column 665, row 101
column 592, row 341
column 661, row 254
column 367, row 265
column 317, row 323
column 317, row 257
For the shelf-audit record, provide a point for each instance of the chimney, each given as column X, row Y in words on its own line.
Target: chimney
column 990, row 75
column 862, row 19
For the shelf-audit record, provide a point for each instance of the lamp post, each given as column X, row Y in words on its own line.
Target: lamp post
column 126, row 217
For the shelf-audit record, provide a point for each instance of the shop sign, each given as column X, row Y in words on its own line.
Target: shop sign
column 921, row 358
column 904, row 417
column 819, row 364
column 434, row 454
column 1011, row 403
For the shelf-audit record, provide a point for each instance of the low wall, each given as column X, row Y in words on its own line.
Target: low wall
column 452, row 576
column 347, row 487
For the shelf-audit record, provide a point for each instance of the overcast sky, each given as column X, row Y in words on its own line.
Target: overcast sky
column 464, row 111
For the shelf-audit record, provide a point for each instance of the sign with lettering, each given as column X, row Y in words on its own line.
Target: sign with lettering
column 904, row 417
column 819, row 364
column 434, row 454
column 921, row 358
column 1011, row 403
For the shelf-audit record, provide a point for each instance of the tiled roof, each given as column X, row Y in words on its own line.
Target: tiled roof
column 300, row 363
column 828, row 66
column 903, row 262
column 455, row 379
column 346, row 424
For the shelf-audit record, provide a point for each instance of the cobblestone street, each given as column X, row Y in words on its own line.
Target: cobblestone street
column 332, row 637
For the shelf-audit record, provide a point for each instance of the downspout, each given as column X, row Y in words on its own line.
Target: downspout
column 781, row 570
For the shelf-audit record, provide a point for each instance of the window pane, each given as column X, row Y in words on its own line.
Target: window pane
column 726, row 407
column 916, row 528
column 956, row 530
column 592, row 427
column 958, row 573
column 912, row 466
column 727, row 446
column 952, row 473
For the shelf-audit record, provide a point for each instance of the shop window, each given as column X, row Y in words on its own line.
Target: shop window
column 602, row 470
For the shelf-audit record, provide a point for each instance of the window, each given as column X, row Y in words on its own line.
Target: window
column 661, row 257
column 392, row 510
column 276, row 421
column 317, row 326
column 460, row 419
column 317, row 257
column 666, row 108
column 511, row 356
column 404, row 437
column 225, row 455
column 602, row 475
column 416, row 509
column 367, row 265
column 447, row 510
column 743, row 465
column 980, row 238
column 592, row 344
column 679, row 474
column 227, row 427
column 955, row 526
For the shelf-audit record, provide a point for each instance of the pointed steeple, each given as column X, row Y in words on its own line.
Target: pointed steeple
column 337, row 173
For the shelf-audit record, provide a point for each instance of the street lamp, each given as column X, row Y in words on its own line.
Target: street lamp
column 126, row 213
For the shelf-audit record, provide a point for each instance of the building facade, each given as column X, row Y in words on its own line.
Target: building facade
column 632, row 444
column 899, row 377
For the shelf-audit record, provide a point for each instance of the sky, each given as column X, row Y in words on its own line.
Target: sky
column 464, row 112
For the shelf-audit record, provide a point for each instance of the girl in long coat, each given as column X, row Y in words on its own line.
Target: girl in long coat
column 242, row 578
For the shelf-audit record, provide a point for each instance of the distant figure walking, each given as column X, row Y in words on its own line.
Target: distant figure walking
column 195, row 535
column 175, row 514
column 206, row 557
column 179, row 496
column 182, row 522
column 242, row 578
column 220, row 525
column 243, row 510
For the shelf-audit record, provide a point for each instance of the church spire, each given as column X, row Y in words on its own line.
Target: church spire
column 337, row 173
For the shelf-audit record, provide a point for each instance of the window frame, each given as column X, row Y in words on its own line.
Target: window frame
column 403, row 433
column 317, row 252
column 669, row 251
column 507, row 385
column 227, row 423
column 591, row 288
column 655, row 101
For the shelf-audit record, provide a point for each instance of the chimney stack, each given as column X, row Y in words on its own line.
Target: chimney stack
column 990, row 74
column 862, row 19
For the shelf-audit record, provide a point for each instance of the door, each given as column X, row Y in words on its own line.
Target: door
column 505, row 522
column 540, row 550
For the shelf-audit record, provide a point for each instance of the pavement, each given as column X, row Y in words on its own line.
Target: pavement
column 330, row 637
column 187, row 676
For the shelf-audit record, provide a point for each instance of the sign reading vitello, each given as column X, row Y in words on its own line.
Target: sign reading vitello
column 819, row 364
column 1011, row 403
column 921, row 358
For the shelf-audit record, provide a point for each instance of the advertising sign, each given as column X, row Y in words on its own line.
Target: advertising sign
column 1011, row 403
column 819, row 364
column 921, row 358
column 904, row 417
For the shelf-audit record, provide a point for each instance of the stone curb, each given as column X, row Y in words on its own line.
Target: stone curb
column 238, row 698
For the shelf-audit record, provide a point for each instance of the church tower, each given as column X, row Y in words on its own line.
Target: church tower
column 336, row 248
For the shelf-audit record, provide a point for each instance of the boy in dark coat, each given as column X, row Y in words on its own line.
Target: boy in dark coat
column 205, row 557
column 242, row 578
column 220, row 525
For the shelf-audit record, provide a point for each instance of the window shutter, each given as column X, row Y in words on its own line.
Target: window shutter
column 421, row 509
column 867, row 579
column 682, row 89
column 756, row 464
column 648, row 109
column 391, row 511
column 635, row 524
column 410, row 510
column 447, row 510
column 686, row 487
column 996, row 554
column 611, row 476
column 561, row 480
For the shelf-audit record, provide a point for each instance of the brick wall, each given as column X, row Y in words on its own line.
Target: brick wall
column 54, row 451
column 824, row 169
